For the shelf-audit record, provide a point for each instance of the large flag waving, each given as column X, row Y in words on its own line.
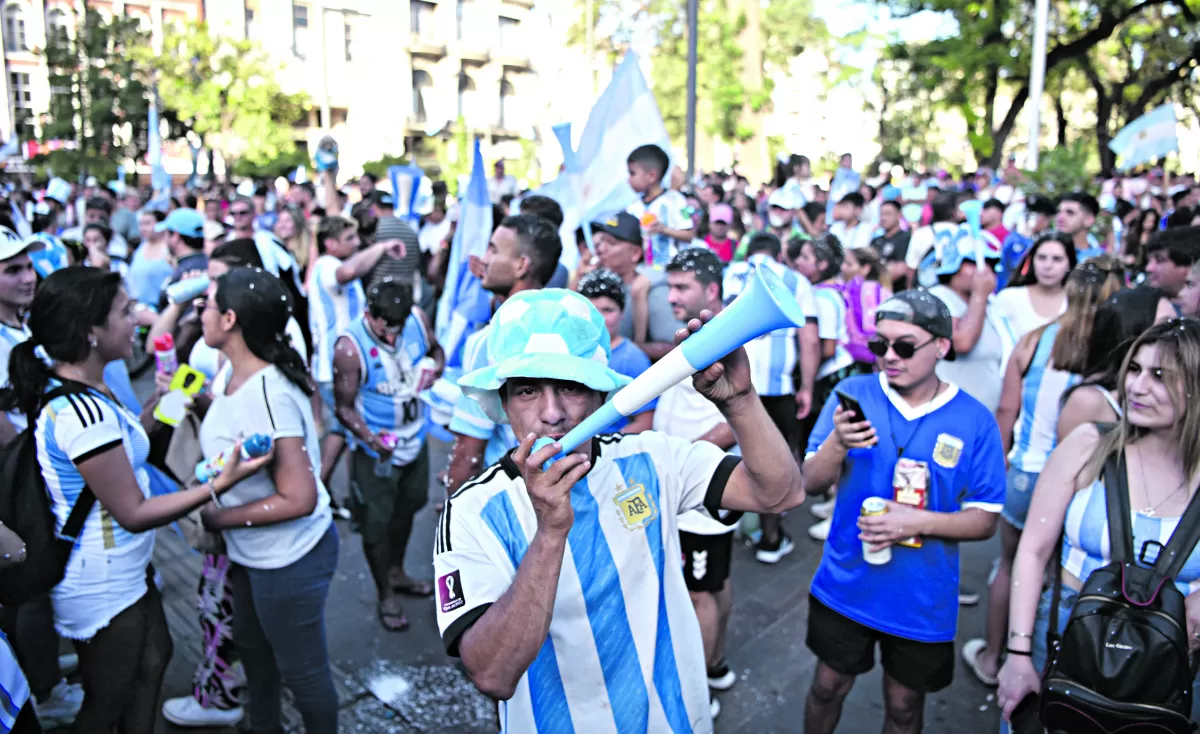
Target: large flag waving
column 1147, row 138
column 464, row 305
column 624, row 117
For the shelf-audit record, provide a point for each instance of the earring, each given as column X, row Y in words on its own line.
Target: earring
column 92, row 342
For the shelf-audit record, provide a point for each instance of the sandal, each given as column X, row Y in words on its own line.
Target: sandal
column 392, row 621
column 970, row 654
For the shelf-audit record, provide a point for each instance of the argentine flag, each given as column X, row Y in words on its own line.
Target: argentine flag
column 625, row 116
column 1147, row 138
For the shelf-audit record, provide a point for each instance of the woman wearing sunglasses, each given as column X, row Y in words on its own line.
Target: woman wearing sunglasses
column 932, row 454
column 1045, row 364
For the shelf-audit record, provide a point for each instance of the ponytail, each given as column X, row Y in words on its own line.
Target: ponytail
column 29, row 377
column 286, row 359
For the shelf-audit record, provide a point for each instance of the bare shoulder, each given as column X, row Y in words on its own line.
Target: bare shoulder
column 640, row 285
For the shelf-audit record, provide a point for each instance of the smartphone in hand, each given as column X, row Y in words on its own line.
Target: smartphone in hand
column 849, row 404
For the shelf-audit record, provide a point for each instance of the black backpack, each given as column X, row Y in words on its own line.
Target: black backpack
column 1122, row 663
column 25, row 509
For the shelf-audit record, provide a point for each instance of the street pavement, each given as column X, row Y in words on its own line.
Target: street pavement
column 428, row 693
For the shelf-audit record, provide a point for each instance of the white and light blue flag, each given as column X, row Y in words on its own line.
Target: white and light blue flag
column 1147, row 138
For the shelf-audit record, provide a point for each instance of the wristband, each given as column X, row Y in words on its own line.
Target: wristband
column 1015, row 635
column 1022, row 653
column 212, row 492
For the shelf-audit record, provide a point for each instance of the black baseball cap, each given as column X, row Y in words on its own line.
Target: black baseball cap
column 623, row 226
column 923, row 309
column 383, row 198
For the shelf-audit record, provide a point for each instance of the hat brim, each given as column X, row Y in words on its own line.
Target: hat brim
column 163, row 227
column 9, row 251
column 483, row 385
column 615, row 232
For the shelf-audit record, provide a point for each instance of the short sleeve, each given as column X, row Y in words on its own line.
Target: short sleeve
column 469, row 419
column 275, row 403
column 987, row 485
column 806, row 299
column 823, row 427
column 471, row 571
column 700, row 470
column 918, row 246
column 829, row 316
column 956, row 307
column 85, row 426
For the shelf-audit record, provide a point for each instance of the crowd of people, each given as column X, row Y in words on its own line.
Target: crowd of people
column 964, row 342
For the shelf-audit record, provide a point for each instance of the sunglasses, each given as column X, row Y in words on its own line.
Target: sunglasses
column 903, row 350
column 241, row 213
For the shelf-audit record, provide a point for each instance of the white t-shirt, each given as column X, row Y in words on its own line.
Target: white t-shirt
column 506, row 186
column 1017, row 307
column 106, row 573
column 854, row 237
column 331, row 309
column 624, row 649
column 670, row 209
column 432, row 235
column 923, row 240
column 265, row 403
column 978, row 371
column 831, row 325
column 684, row 413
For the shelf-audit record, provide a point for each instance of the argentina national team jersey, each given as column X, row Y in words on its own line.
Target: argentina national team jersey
column 334, row 306
column 387, row 394
column 774, row 355
column 624, row 652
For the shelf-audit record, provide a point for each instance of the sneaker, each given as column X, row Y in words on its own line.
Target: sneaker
column 721, row 678
column 714, row 706
column 774, row 554
column 967, row 597
column 60, row 707
column 820, row 531
column 187, row 711
column 823, row 510
column 68, row 663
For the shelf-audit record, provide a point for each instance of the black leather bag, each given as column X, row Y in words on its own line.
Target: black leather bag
column 1122, row 662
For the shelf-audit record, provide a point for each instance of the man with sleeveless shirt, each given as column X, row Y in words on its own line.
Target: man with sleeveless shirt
column 375, row 386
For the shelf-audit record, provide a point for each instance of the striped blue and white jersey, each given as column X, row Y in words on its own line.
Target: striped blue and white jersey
column 624, row 652
column 1035, row 433
column 831, row 326
column 14, row 689
column 773, row 356
column 11, row 336
column 469, row 419
column 387, row 393
column 331, row 309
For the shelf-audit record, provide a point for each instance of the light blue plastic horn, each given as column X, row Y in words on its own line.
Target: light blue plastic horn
column 765, row 305
column 973, row 211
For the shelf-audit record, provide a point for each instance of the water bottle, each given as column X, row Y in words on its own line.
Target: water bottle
column 164, row 355
column 187, row 289
column 252, row 448
column 383, row 464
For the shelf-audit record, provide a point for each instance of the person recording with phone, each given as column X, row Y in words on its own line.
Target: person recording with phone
column 925, row 465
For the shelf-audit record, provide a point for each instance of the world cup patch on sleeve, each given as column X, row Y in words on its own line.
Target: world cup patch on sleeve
column 450, row 592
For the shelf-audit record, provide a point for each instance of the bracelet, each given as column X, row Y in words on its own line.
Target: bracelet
column 1022, row 653
column 1014, row 635
column 212, row 492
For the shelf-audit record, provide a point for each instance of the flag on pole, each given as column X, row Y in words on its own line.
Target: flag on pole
column 1147, row 138
column 160, row 181
column 406, row 188
column 464, row 305
column 625, row 116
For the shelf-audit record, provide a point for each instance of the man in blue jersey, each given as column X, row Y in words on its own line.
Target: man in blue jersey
column 560, row 586
column 933, row 454
column 774, row 360
column 522, row 256
column 375, row 385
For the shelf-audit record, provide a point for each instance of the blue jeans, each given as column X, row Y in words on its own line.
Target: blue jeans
column 279, row 629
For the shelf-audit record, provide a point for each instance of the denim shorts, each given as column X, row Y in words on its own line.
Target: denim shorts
column 1017, row 493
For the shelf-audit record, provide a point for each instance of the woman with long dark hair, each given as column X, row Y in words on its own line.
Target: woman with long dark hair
column 277, row 524
column 1037, row 293
column 90, row 445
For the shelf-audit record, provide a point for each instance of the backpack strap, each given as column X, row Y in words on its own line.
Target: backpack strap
column 1116, row 494
column 1182, row 542
column 69, row 535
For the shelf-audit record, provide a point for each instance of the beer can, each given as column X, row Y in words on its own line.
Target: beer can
column 871, row 507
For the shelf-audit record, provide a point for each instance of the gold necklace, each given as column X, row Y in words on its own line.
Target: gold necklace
column 1152, row 511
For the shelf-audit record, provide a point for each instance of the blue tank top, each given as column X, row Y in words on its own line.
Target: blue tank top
column 387, row 394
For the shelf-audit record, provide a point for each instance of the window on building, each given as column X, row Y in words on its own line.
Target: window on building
column 347, row 37
column 14, row 28
column 466, row 96
column 58, row 28
column 421, row 17
column 510, row 29
column 300, row 30
column 507, row 107
column 420, row 82
column 22, row 102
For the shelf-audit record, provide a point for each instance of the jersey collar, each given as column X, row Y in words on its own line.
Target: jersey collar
column 908, row 412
